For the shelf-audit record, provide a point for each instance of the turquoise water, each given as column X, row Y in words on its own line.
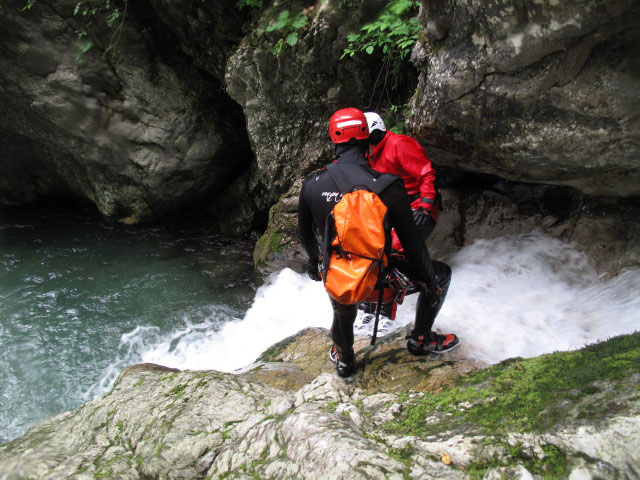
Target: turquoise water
column 72, row 287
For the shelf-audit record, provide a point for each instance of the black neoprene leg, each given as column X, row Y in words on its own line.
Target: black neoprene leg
column 428, row 306
column 426, row 229
column 342, row 329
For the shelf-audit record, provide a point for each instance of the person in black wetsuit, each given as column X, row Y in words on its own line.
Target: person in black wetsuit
column 349, row 132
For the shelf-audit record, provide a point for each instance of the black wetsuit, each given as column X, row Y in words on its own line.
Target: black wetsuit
column 320, row 194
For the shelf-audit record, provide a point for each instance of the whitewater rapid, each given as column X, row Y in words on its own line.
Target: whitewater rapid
column 512, row 296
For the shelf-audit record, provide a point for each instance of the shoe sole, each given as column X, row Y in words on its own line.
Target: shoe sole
column 434, row 352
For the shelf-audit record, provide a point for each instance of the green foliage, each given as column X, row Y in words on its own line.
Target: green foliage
column 391, row 36
column 287, row 26
column 102, row 10
column 394, row 118
column 393, row 33
column 254, row 7
column 89, row 11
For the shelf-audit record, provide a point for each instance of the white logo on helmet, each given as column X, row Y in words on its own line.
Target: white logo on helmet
column 349, row 123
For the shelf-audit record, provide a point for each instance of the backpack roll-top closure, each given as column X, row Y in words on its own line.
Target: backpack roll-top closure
column 358, row 214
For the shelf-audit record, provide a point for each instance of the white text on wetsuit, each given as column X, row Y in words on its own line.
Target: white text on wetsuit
column 332, row 196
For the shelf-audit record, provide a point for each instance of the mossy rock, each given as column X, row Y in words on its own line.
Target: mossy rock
column 279, row 247
column 384, row 367
column 535, row 394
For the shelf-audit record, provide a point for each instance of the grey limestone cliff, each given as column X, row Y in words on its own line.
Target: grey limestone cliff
column 542, row 91
column 129, row 124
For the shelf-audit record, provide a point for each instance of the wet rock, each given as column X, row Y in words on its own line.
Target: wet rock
column 486, row 207
column 288, row 98
column 128, row 124
column 162, row 423
column 279, row 247
column 540, row 92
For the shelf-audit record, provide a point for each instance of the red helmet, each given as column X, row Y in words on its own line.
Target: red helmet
column 346, row 124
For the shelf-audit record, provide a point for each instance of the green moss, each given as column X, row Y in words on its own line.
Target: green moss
column 169, row 377
column 201, row 383
column 264, row 455
column 275, row 350
column 179, row 389
column 139, row 382
column 331, row 406
column 268, row 243
column 524, row 395
column 401, row 455
column 363, row 411
column 281, row 229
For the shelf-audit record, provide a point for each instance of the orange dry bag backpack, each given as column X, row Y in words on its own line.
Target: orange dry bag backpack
column 357, row 238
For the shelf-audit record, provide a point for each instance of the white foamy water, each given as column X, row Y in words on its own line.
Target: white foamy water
column 288, row 303
column 513, row 296
column 533, row 294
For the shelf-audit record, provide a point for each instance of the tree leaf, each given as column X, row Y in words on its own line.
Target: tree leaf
column 369, row 49
column 292, row 39
column 299, row 22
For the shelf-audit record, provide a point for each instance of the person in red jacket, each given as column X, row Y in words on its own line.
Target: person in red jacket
column 403, row 156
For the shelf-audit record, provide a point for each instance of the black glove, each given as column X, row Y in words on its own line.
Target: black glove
column 422, row 217
column 314, row 272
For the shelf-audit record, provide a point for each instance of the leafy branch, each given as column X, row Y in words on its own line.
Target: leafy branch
column 251, row 4
column 288, row 27
column 89, row 10
column 394, row 32
column 392, row 35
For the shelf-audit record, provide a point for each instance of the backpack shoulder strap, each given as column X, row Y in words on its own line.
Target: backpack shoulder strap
column 349, row 176
column 339, row 177
column 382, row 182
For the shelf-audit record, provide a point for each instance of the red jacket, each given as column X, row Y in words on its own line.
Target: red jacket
column 403, row 156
